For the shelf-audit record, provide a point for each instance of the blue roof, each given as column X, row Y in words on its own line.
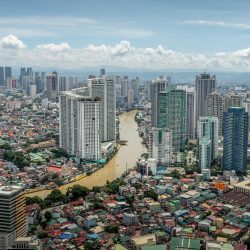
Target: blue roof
column 93, row 236
column 66, row 236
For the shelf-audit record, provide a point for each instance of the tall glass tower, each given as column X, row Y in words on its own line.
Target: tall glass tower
column 235, row 132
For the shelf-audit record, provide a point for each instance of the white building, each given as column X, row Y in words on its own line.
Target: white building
column 208, row 131
column 160, row 146
column 80, row 124
column 104, row 88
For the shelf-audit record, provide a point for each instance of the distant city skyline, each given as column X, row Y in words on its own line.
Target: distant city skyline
column 167, row 35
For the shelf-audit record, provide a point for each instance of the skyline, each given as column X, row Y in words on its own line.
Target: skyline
column 168, row 35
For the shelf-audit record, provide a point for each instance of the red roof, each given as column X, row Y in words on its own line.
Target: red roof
column 54, row 168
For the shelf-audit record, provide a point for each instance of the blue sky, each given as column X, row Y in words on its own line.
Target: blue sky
column 186, row 27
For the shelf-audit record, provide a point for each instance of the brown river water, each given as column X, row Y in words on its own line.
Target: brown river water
column 125, row 158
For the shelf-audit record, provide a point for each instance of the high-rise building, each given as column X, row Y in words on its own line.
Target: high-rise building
column 216, row 108
column 160, row 146
column 63, row 83
column 190, row 114
column 104, row 88
column 2, row 80
column 51, row 85
column 235, row 133
column 11, row 83
column 124, row 86
column 13, row 222
column 204, row 85
column 135, row 86
column 102, row 72
column 130, row 97
column 172, row 115
column 233, row 100
column 80, row 124
column 7, row 72
column 207, row 140
column 157, row 86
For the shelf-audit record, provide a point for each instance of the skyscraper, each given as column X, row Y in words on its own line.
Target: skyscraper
column 12, row 215
column 51, row 85
column 104, row 88
column 135, row 86
column 157, row 86
column 63, row 83
column 102, row 72
column 235, row 133
column 80, row 124
column 207, row 140
column 233, row 100
column 8, row 72
column 204, row 85
column 2, row 76
column 190, row 114
column 160, row 146
column 216, row 108
column 172, row 115
column 124, row 86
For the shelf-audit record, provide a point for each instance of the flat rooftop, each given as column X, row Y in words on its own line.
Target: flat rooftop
column 243, row 184
column 235, row 198
column 8, row 190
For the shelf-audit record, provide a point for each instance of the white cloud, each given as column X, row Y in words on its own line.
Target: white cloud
column 122, row 54
column 46, row 20
column 54, row 47
column 12, row 42
column 243, row 26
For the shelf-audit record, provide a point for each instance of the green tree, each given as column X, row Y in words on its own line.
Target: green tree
column 35, row 200
column 91, row 245
column 55, row 196
column 151, row 194
column 77, row 191
column 113, row 228
column 42, row 235
column 48, row 215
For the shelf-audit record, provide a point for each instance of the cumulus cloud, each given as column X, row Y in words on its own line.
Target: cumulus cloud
column 122, row 54
column 54, row 47
column 11, row 42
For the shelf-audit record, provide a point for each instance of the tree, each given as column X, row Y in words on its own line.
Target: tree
column 175, row 174
column 113, row 186
column 42, row 235
column 77, row 191
column 55, row 196
column 48, row 215
column 113, row 228
column 91, row 245
column 96, row 189
column 35, row 200
column 151, row 194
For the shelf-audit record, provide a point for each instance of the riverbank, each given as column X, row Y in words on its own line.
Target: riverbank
column 124, row 159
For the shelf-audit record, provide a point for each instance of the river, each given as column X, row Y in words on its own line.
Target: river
column 125, row 158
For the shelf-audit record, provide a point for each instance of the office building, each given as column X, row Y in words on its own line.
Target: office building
column 160, row 146
column 158, row 85
column 205, row 84
column 80, row 124
column 104, row 88
column 190, row 114
column 216, row 108
column 135, row 86
column 130, row 97
column 124, row 86
column 207, row 141
column 233, row 100
column 172, row 115
column 102, row 72
column 11, row 83
column 235, row 133
column 13, row 222
column 7, row 72
column 63, row 83
column 2, row 76
column 51, row 85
